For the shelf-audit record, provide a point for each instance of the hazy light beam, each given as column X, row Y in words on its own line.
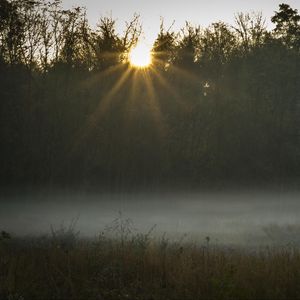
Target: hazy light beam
column 101, row 109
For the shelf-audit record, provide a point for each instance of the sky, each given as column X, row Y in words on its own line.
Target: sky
column 198, row 12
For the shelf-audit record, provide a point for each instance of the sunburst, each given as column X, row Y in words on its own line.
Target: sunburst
column 140, row 56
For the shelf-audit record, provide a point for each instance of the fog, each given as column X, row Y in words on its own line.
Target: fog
column 231, row 217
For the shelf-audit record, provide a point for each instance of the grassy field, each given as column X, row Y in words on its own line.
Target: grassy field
column 120, row 265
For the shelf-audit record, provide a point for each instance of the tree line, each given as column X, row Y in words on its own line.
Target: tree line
column 218, row 104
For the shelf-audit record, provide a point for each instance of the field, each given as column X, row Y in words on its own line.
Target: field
column 194, row 129
column 118, row 264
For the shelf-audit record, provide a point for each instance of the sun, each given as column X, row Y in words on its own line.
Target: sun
column 140, row 56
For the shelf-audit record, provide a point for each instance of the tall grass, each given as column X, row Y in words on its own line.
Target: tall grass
column 119, row 264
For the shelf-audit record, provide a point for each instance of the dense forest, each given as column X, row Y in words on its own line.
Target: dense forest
column 218, row 104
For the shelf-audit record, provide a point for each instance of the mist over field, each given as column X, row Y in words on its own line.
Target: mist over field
column 243, row 218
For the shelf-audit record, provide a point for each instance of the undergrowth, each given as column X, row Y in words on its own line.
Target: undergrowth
column 122, row 264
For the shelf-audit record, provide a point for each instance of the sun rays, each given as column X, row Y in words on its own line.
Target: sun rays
column 139, row 86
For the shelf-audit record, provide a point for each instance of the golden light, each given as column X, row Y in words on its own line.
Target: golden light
column 140, row 56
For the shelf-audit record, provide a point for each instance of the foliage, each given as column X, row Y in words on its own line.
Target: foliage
column 287, row 22
column 218, row 104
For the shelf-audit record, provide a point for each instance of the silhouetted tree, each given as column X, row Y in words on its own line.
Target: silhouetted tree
column 287, row 21
column 164, row 46
column 251, row 30
column 218, row 103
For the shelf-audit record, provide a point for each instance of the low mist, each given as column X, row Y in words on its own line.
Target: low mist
column 226, row 217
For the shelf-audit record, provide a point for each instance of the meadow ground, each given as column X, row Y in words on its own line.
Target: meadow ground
column 120, row 265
